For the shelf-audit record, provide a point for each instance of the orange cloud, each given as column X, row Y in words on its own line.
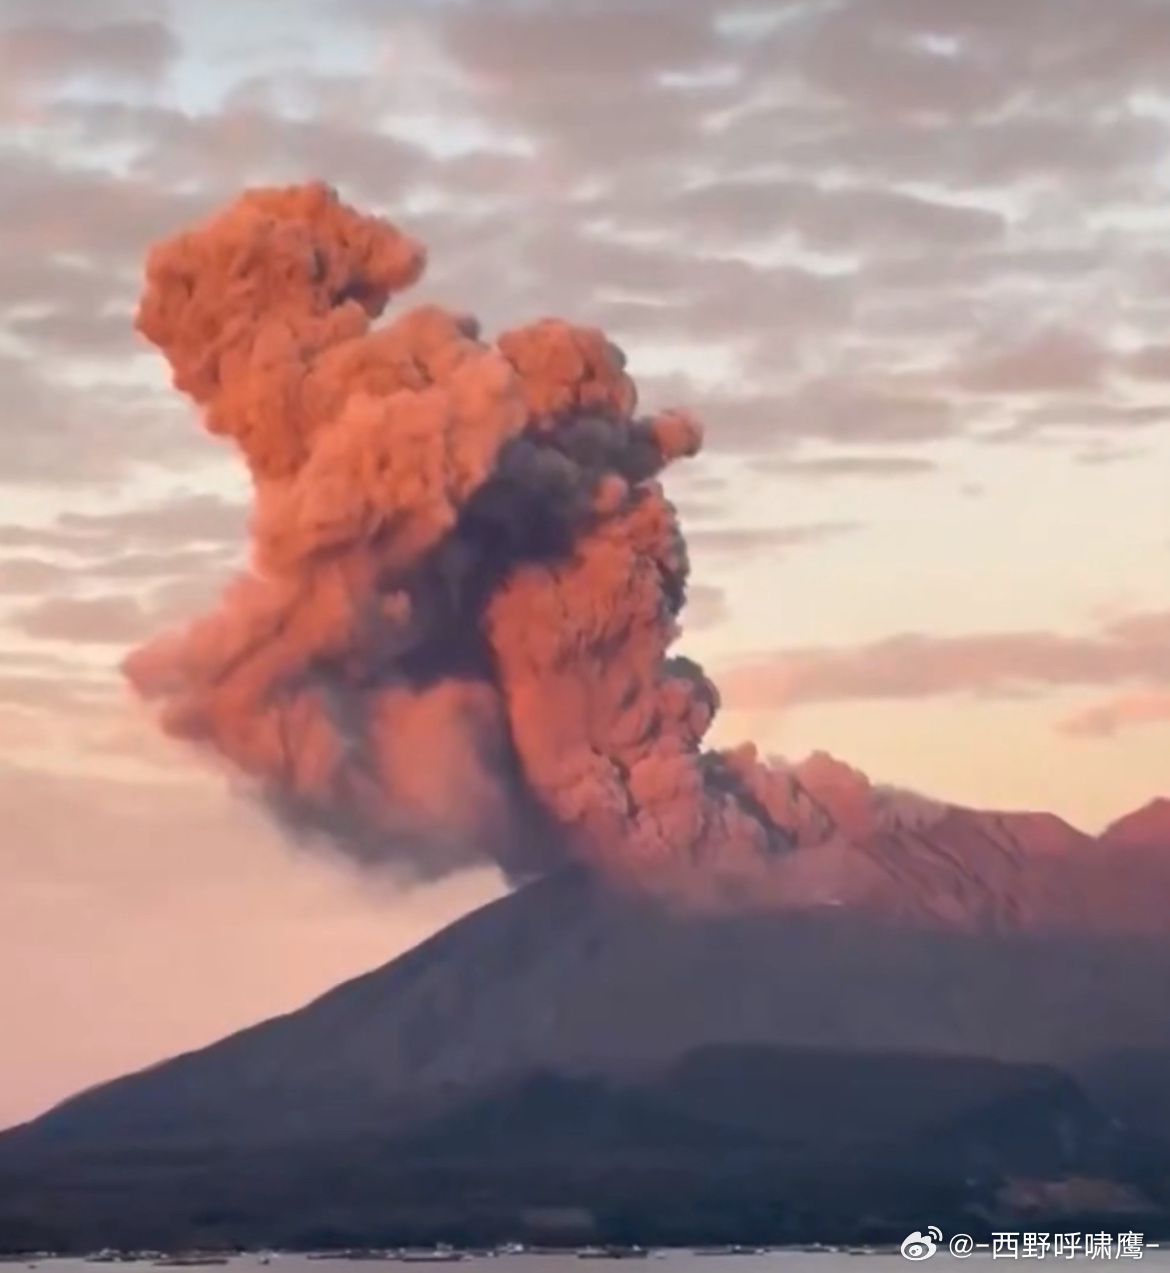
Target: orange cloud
column 1103, row 720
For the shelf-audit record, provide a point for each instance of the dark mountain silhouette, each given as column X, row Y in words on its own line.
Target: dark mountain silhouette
column 1133, row 1084
column 725, row 1144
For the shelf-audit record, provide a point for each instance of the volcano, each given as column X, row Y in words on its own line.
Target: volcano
column 984, row 959
column 729, row 996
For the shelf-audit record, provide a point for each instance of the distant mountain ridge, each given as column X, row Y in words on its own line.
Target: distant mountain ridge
column 1147, row 827
column 922, row 861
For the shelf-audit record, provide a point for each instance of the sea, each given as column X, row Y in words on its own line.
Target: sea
column 826, row 1261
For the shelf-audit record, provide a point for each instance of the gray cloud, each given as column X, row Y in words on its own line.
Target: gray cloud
column 741, row 541
column 586, row 81
column 43, row 52
column 30, row 575
column 106, row 620
column 1054, row 422
column 179, row 522
column 916, row 665
column 1151, row 362
column 1054, row 360
column 151, row 564
column 908, row 136
column 947, row 58
column 583, row 45
column 48, row 207
column 1100, row 456
column 247, row 143
column 841, row 408
column 103, row 329
column 706, row 608
column 51, row 687
column 186, row 521
column 844, row 218
column 825, row 467
column 848, row 200
column 65, row 435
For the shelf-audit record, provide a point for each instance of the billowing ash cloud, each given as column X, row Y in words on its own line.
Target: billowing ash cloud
column 453, row 640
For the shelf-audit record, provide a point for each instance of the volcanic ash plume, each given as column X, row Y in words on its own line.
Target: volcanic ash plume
column 453, row 639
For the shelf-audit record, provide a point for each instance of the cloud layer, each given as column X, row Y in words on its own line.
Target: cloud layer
column 1132, row 651
column 870, row 215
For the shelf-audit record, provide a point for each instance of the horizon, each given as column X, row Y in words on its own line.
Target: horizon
column 905, row 269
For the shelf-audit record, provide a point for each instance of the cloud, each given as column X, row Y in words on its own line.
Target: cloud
column 55, row 434
column 54, row 708
column 244, row 141
column 22, row 575
column 67, row 241
column 107, row 620
column 886, row 77
column 116, row 575
column 946, row 59
column 38, row 281
column 1151, row 362
column 126, row 49
column 909, row 140
column 551, row 45
column 878, row 409
column 665, row 291
column 106, row 219
column 840, row 218
column 191, row 520
column 41, row 53
column 1053, row 421
column 1055, row 360
column 48, row 686
column 918, row 666
column 584, row 82
column 828, row 467
column 100, row 329
column 706, row 608
column 844, row 200
column 1103, row 720
column 741, row 541
column 1099, row 456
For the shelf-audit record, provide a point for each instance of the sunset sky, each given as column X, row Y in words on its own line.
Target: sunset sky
column 908, row 259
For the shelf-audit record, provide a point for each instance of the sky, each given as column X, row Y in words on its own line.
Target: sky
column 907, row 259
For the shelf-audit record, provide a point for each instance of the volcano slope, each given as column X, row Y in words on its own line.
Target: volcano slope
column 567, row 976
column 581, row 1035
column 913, row 927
